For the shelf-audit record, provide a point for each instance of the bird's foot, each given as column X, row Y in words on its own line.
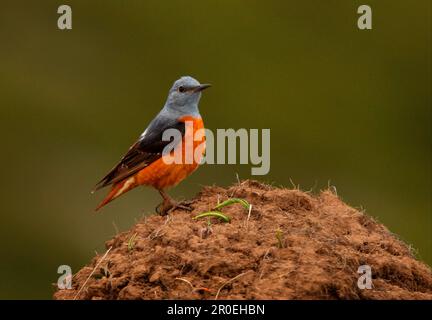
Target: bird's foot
column 169, row 205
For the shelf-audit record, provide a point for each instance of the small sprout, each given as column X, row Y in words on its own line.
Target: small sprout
column 215, row 214
column 131, row 242
column 279, row 237
column 207, row 230
column 231, row 201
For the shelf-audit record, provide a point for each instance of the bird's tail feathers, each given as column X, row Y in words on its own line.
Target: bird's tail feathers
column 117, row 190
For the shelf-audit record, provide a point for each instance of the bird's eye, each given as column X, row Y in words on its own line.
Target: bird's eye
column 181, row 89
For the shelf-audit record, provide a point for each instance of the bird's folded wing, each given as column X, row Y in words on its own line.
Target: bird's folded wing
column 142, row 153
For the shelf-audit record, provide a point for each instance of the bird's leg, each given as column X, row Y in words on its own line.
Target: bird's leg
column 169, row 204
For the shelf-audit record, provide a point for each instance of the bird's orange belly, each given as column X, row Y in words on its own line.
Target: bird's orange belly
column 161, row 174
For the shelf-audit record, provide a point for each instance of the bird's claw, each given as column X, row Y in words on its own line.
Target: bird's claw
column 167, row 207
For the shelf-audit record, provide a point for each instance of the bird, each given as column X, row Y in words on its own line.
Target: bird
column 145, row 164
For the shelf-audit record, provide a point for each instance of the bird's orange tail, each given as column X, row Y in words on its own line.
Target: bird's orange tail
column 117, row 190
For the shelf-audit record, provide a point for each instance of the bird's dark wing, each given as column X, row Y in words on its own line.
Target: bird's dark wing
column 142, row 153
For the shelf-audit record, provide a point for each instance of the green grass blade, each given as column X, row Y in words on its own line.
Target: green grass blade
column 231, row 201
column 215, row 214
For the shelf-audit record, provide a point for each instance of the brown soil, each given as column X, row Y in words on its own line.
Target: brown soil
column 324, row 241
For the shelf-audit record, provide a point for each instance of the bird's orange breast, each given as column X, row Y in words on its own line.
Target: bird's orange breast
column 161, row 174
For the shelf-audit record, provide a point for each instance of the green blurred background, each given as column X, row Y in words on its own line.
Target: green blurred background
column 345, row 106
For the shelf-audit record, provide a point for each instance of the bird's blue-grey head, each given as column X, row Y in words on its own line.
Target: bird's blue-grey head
column 184, row 96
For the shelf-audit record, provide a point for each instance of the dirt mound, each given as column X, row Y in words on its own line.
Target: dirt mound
column 292, row 245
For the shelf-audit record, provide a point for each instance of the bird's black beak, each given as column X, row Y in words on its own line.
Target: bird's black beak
column 202, row 87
